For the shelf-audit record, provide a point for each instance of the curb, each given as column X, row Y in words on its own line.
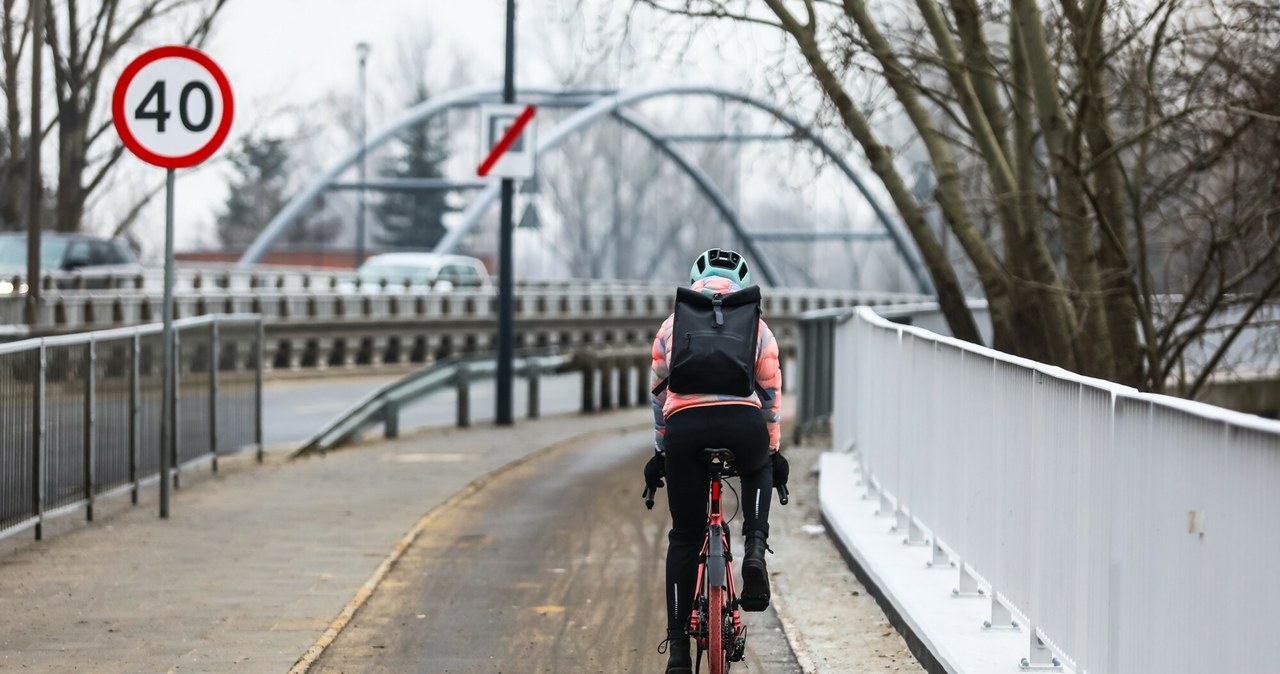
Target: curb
column 312, row 654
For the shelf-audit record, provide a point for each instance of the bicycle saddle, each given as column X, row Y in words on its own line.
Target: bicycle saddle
column 725, row 455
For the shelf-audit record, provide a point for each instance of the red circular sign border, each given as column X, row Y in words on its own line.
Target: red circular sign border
column 136, row 147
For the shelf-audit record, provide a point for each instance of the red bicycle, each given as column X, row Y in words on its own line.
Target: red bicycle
column 715, row 623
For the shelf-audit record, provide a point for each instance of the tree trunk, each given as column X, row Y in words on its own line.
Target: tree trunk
column 1118, row 286
column 1061, row 329
column 13, row 171
column 949, row 194
column 951, row 298
column 1095, row 342
column 72, row 159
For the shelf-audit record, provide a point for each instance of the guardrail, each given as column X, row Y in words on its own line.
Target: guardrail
column 384, row 404
column 1130, row 532
column 325, row 329
column 243, row 280
column 80, row 418
column 606, row 384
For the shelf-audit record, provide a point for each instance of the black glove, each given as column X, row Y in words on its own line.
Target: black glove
column 654, row 471
column 781, row 469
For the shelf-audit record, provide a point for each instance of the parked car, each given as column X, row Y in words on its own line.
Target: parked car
column 430, row 270
column 61, row 255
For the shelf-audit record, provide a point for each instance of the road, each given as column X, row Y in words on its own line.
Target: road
column 294, row 409
column 554, row 566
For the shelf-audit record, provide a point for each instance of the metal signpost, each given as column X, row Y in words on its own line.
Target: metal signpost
column 172, row 108
column 511, row 155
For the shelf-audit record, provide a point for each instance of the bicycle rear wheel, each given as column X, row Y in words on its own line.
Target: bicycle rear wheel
column 715, row 630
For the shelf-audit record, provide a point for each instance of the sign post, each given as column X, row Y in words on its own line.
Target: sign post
column 512, row 153
column 172, row 108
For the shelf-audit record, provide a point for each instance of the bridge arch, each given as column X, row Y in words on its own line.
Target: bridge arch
column 594, row 107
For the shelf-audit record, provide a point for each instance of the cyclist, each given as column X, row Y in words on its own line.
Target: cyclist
column 686, row 425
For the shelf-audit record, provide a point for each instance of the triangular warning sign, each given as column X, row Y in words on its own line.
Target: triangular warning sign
column 530, row 219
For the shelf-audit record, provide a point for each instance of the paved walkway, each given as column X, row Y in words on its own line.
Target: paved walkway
column 254, row 564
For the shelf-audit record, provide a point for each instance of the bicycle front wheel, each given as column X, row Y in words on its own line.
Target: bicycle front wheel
column 715, row 630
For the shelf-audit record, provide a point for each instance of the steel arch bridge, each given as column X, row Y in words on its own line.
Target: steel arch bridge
column 591, row 108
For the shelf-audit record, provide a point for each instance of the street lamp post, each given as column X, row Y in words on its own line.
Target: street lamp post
column 362, row 50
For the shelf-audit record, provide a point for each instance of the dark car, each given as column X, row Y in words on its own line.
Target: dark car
column 62, row 254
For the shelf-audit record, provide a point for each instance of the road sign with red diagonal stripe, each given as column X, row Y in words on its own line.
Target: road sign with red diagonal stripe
column 506, row 132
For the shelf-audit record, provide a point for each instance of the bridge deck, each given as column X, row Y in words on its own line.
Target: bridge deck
column 257, row 562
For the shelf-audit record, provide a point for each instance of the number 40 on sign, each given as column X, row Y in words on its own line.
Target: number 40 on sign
column 172, row 107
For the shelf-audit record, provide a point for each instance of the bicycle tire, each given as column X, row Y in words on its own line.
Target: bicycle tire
column 715, row 630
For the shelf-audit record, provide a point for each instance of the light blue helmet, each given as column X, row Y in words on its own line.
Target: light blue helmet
column 721, row 262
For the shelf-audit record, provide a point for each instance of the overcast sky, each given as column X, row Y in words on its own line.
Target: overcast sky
column 282, row 56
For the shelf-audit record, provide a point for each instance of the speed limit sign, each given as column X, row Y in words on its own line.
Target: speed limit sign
column 172, row 107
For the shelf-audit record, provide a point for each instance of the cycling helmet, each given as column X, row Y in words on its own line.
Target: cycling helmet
column 721, row 262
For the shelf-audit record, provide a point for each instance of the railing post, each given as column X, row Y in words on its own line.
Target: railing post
column 624, row 383
column 37, row 445
column 174, row 454
column 643, row 393
column 391, row 420
column 589, row 384
column 940, row 560
column 915, row 535
column 135, row 415
column 463, row 379
column 825, row 382
column 606, row 384
column 260, row 353
column 91, row 366
column 213, row 391
column 1001, row 616
column 1040, row 657
column 968, row 586
column 533, row 371
column 803, row 399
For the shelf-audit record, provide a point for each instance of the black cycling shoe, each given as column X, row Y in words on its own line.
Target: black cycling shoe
column 679, row 661
column 755, row 574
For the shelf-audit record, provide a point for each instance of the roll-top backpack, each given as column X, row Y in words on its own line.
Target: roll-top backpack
column 713, row 343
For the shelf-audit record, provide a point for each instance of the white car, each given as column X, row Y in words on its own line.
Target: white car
column 423, row 270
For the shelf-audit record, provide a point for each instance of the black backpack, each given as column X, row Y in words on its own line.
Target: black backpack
column 713, row 343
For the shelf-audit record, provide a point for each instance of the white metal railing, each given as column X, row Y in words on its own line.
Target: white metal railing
column 1134, row 532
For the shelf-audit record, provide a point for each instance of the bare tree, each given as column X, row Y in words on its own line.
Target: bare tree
column 83, row 44
column 1078, row 147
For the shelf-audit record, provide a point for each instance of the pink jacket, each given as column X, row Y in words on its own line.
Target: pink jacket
column 768, row 375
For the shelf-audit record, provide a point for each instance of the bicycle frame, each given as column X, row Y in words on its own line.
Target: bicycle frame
column 715, row 581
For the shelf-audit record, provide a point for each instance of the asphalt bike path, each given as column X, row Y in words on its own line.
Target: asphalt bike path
column 554, row 566
column 254, row 564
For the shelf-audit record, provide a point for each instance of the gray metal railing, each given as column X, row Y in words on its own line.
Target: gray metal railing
column 383, row 405
column 606, row 384
column 327, row 329
column 815, row 358
column 80, row 418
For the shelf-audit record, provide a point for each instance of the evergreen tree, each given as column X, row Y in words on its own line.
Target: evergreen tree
column 414, row 219
column 259, row 190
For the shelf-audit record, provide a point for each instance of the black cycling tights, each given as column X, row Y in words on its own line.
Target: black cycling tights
column 739, row 428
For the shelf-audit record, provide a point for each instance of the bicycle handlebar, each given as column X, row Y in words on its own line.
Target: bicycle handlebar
column 784, row 495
